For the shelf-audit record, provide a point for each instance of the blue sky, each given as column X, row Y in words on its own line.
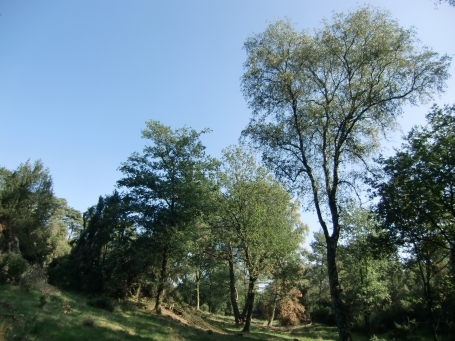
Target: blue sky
column 78, row 79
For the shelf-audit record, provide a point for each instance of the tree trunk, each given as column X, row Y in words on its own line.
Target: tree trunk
column 335, row 292
column 198, row 282
column 163, row 277
column 272, row 317
column 233, row 293
column 249, row 305
column 426, row 276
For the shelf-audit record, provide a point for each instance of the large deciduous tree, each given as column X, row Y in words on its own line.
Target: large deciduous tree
column 170, row 188
column 321, row 102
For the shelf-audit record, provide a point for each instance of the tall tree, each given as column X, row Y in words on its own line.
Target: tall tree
column 321, row 102
column 171, row 189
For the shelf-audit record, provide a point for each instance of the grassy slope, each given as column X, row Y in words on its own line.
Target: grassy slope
column 66, row 316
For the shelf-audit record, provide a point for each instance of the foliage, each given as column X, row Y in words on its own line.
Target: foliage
column 418, row 184
column 259, row 212
column 450, row 2
column 362, row 272
column 108, row 255
column 12, row 267
column 26, row 205
column 315, row 287
column 291, row 312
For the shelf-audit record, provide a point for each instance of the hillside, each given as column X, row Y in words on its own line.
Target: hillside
column 68, row 316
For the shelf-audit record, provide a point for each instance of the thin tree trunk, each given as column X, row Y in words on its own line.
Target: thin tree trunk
column 245, row 308
column 233, row 293
column 272, row 317
column 249, row 305
column 163, row 277
column 366, row 310
column 452, row 261
column 425, row 275
column 198, row 282
column 335, row 293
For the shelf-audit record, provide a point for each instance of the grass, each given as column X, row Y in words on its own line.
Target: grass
column 67, row 316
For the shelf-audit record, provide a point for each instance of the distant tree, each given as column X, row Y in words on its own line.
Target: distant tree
column 261, row 215
column 283, row 293
column 170, row 187
column 363, row 273
column 69, row 219
column 108, row 255
column 321, row 102
column 63, row 223
column 316, row 291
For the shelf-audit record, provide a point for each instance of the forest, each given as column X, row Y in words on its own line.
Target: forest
column 224, row 236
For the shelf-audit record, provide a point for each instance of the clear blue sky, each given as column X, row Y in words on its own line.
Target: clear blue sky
column 78, row 79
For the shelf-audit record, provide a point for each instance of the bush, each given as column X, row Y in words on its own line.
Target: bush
column 88, row 322
column 102, row 303
column 12, row 267
column 323, row 315
column 291, row 312
column 36, row 278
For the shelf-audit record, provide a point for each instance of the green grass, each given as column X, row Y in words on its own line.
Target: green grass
column 66, row 316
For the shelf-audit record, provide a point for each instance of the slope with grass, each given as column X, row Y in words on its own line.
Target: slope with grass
column 60, row 316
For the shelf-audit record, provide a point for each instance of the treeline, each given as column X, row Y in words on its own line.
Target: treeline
column 178, row 218
column 185, row 228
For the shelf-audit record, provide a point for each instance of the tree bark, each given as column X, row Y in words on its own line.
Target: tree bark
column 249, row 305
column 163, row 277
column 233, row 293
column 335, row 293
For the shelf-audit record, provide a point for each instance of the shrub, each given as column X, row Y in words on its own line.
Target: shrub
column 36, row 278
column 12, row 267
column 88, row 322
column 291, row 312
column 102, row 303
column 43, row 300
